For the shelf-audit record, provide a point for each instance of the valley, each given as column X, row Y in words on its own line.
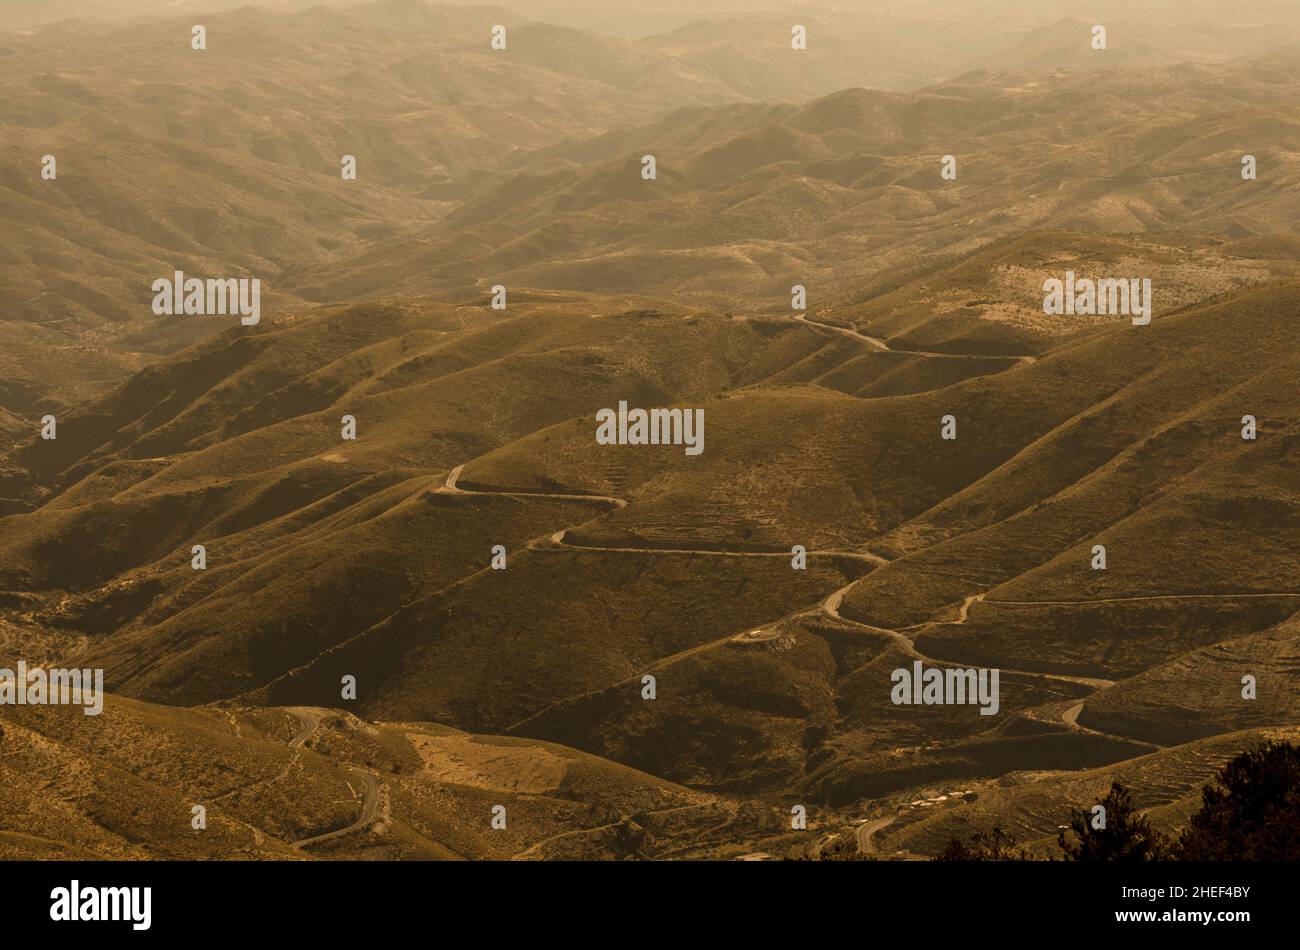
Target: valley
column 474, row 585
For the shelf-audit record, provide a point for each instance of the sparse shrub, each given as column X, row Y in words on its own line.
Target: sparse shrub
column 996, row 845
column 1127, row 836
column 845, row 849
column 1252, row 813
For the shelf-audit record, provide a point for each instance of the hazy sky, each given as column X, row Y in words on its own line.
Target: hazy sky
column 644, row 17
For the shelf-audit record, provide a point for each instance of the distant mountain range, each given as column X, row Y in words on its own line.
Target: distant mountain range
column 326, row 557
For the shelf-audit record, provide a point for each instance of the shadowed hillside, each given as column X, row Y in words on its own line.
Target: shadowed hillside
column 397, row 551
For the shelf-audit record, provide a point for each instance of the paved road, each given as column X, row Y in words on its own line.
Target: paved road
column 309, row 722
column 369, row 807
column 867, row 831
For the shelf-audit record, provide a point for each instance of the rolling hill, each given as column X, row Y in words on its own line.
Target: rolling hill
column 393, row 481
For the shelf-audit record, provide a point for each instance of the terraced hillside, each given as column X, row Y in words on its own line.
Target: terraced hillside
column 370, row 558
column 364, row 570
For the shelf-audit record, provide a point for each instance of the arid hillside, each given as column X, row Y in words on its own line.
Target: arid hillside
column 364, row 568
column 476, row 166
column 371, row 558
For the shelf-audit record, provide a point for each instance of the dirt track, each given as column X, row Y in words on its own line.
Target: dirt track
column 883, row 345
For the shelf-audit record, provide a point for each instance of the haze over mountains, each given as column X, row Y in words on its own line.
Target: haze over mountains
column 474, row 166
column 371, row 558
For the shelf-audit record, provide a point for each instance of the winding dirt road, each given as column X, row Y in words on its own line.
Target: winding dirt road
column 884, row 347
column 1142, row 598
column 449, row 487
column 558, row 538
column 831, row 606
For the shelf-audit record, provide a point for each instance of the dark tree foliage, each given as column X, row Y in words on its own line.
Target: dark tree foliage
column 1252, row 813
column 845, row 849
column 996, row 845
column 1127, row 836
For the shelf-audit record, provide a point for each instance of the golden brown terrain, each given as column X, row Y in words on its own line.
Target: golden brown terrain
column 329, row 558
